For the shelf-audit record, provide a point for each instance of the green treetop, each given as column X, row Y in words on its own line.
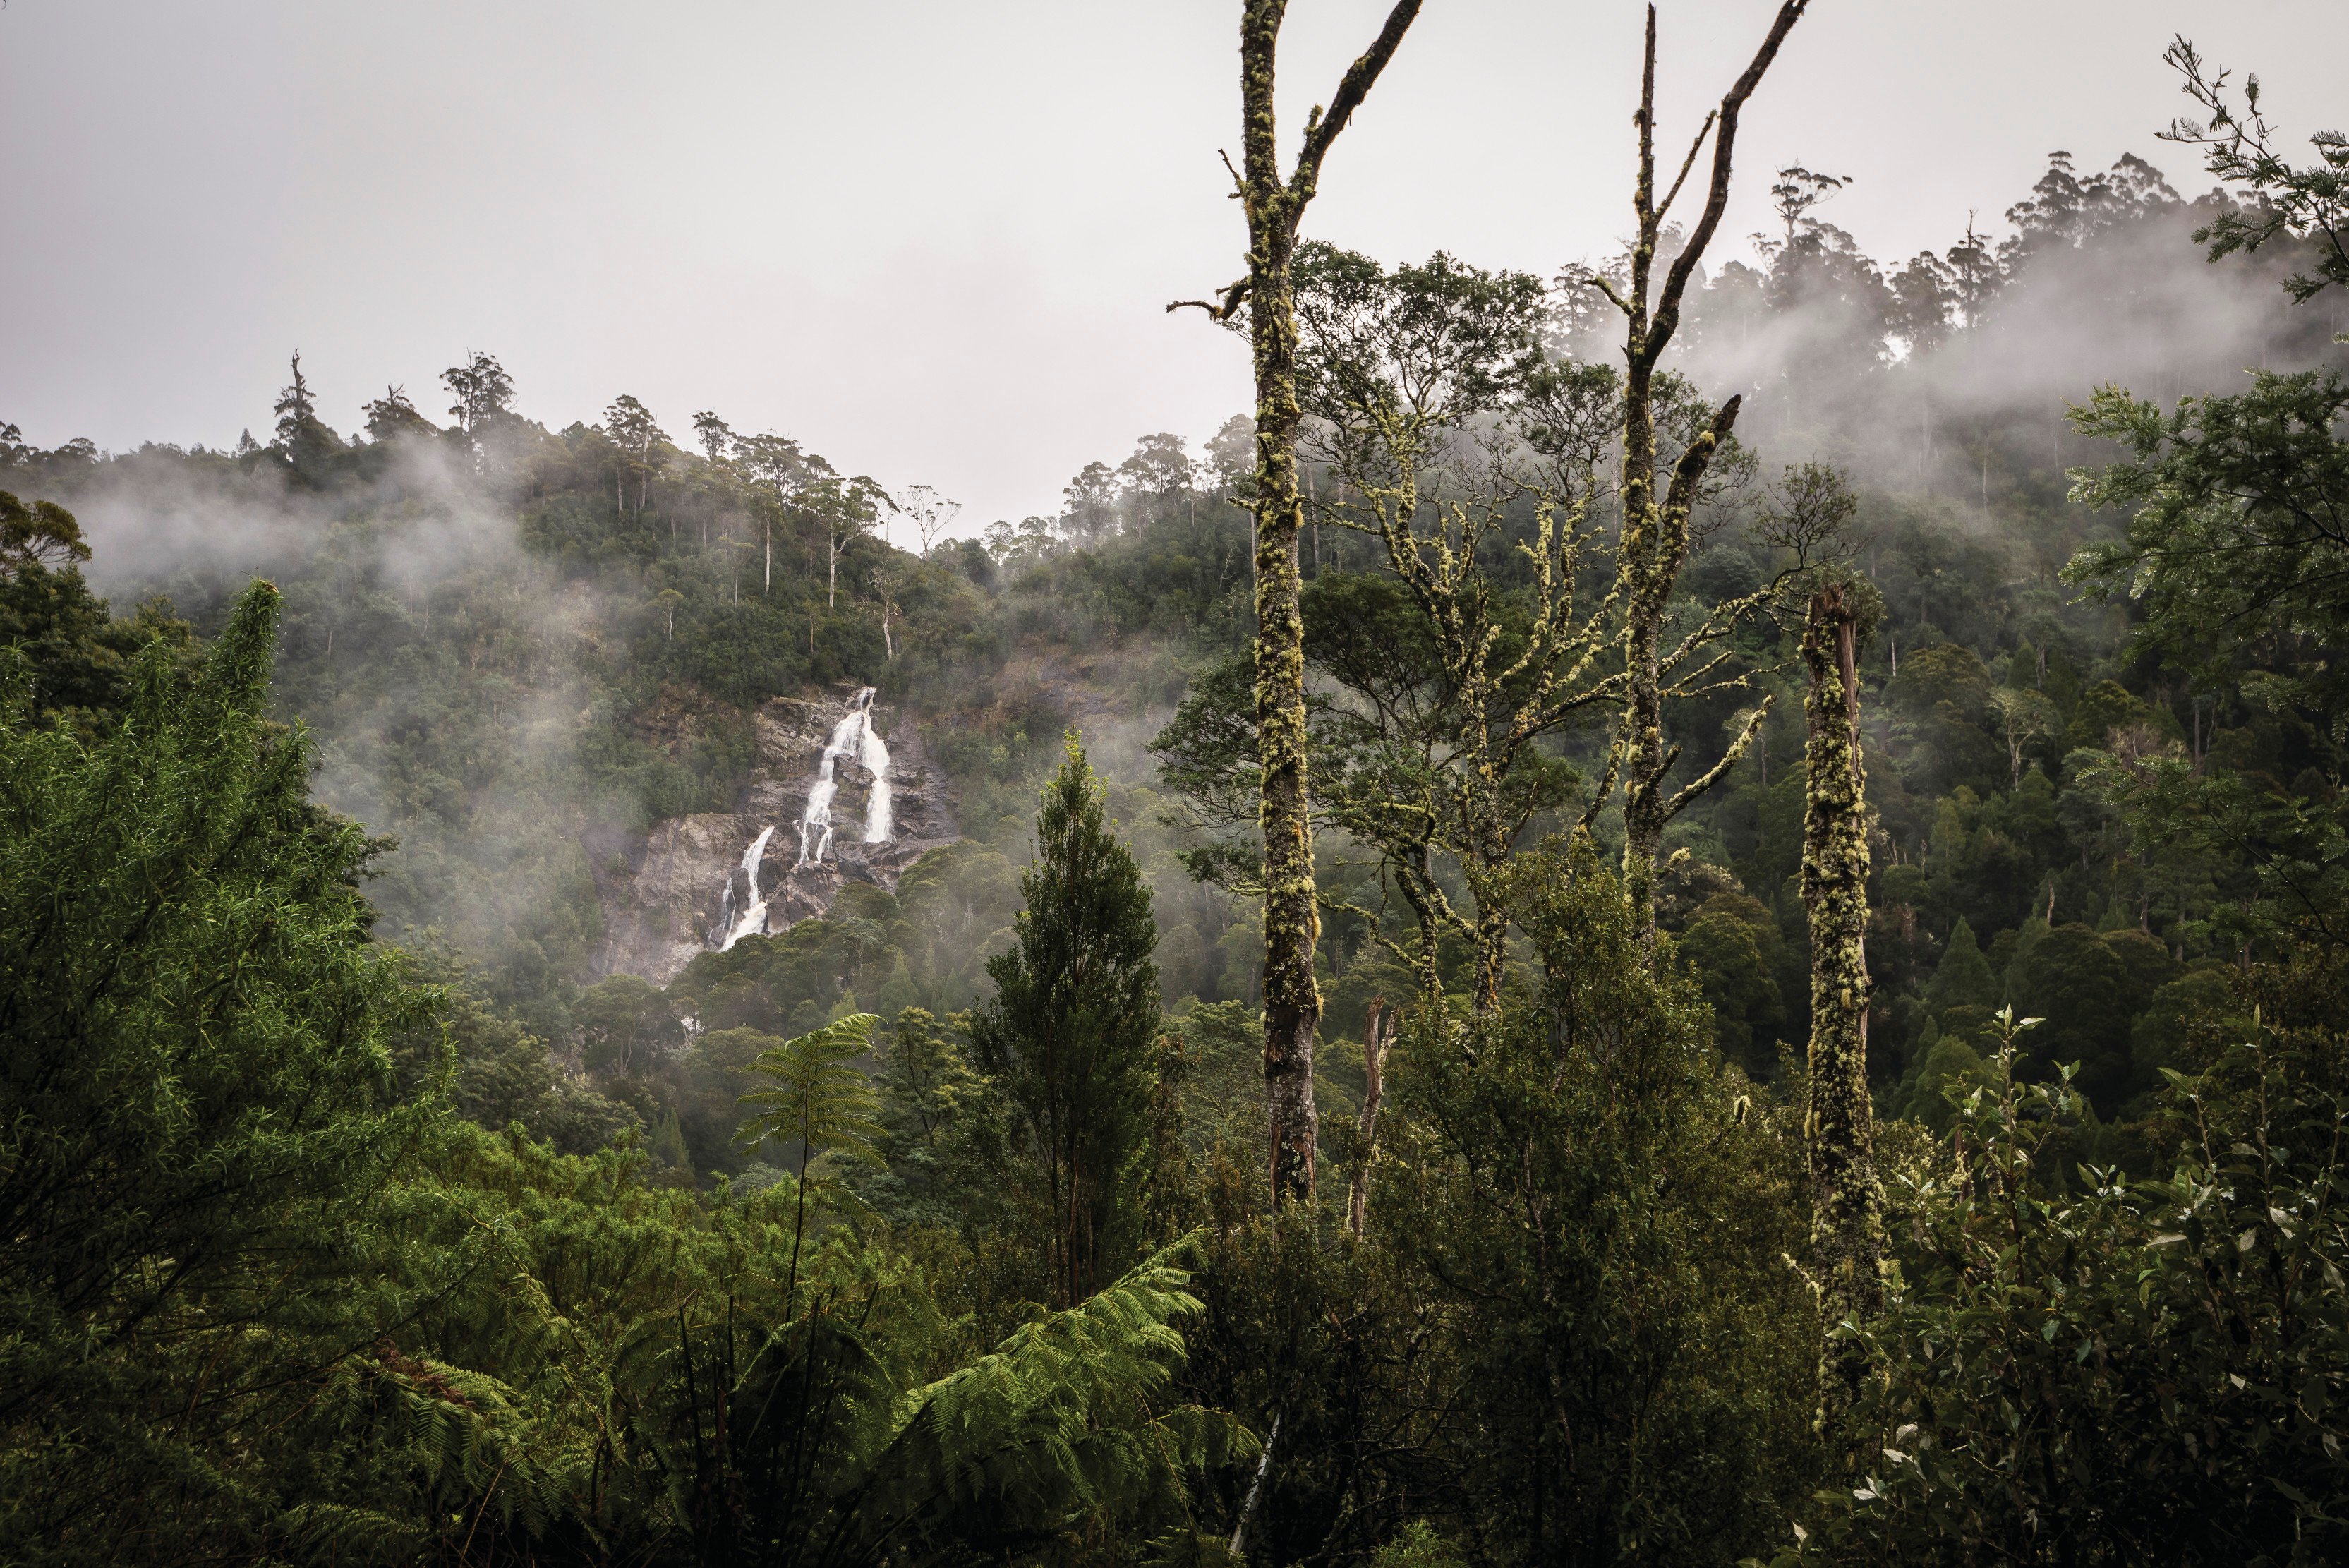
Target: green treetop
column 1070, row 1028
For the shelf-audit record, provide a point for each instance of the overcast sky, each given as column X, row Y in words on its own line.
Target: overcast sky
column 931, row 240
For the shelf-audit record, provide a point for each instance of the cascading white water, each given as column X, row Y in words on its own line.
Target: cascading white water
column 852, row 737
column 753, row 918
column 873, row 753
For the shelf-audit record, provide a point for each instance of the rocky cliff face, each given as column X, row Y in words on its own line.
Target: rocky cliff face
column 662, row 892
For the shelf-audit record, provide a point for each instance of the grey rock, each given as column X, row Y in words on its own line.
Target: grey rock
column 662, row 891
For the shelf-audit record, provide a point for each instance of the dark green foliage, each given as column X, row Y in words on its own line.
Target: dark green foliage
column 1596, row 1216
column 37, row 534
column 2232, row 542
column 2102, row 711
column 935, row 1113
column 625, row 1024
column 2146, row 1370
column 505, row 1076
column 1313, row 1338
column 322, row 1251
column 1964, row 977
column 2294, row 200
column 2087, row 988
column 2157, row 1040
column 256, row 1306
column 1730, row 940
column 196, row 1095
column 1068, row 1032
column 307, row 446
column 79, row 657
column 678, row 1380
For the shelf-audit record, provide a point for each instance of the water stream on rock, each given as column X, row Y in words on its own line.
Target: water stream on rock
column 851, row 738
column 754, row 907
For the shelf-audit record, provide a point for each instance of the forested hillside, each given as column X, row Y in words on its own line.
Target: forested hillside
column 1826, row 877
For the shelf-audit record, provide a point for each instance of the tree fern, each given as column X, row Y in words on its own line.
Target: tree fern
column 1060, row 1422
column 818, row 1099
column 822, row 1104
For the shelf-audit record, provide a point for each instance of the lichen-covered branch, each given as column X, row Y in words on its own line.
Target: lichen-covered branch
column 1427, row 435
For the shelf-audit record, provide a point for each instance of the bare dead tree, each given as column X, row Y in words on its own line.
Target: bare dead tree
column 930, row 511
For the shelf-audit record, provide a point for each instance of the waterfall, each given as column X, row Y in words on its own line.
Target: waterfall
column 873, row 753
column 852, row 737
column 753, row 918
column 744, row 912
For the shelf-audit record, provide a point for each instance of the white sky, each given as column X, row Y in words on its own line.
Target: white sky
column 931, row 240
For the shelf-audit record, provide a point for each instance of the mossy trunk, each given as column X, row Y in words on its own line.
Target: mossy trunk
column 1292, row 921
column 1648, row 568
column 1655, row 541
column 1846, row 1203
column 1655, row 548
column 1377, row 1035
column 1273, row 206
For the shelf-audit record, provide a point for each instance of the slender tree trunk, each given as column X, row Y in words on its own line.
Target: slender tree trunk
column 1376, row 1037
column 1416, row 883
column 1846, row 1203
column 1655, row 542
column 1072, row 1245
column 1292, row 921
column 1273, row 205
column 1488, row 844
column 1292, row 924
column 1655, row 548
column 1256, row 1489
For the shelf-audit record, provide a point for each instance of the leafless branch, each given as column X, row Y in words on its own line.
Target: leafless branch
column 1321, row 129
column 1233, row 294
column 1688, row 163
column 1716, row 202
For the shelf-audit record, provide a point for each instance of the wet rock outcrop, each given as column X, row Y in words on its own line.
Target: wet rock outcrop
column 664, row 892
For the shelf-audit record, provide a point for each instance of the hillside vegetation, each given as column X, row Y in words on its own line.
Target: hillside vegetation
column 356, row 1210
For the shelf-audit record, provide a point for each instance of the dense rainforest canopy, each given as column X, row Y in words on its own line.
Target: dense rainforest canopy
column 1823, row 963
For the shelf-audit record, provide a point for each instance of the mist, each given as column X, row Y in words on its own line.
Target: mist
column 2107, row 288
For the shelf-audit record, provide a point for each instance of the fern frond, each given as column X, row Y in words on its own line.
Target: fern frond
column 819, row 1098
column 1059, row 1421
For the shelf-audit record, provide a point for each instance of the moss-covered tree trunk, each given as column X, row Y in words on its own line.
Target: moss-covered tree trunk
column 1292, row 923
column 1846, row 1203
column 1655, row 547
column 1378, row 1033
column 1655, row 538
